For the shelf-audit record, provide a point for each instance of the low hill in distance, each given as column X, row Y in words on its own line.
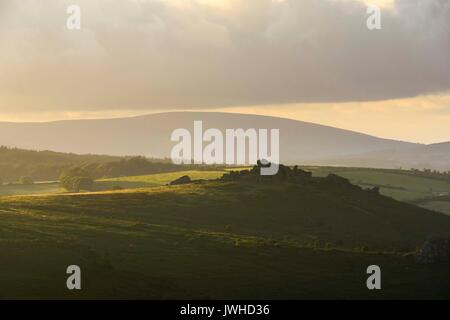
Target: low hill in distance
column 300, row 142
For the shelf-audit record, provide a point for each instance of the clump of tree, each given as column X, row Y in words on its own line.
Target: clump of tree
column 73, row 181
column 41, row 165
column 49, row 166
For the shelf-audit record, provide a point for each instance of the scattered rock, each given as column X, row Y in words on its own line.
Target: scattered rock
column 181, row 180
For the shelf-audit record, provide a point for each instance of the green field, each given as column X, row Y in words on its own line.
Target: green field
column 154, row 180
column 400, row 185
column 132, row 182
column 200, row 241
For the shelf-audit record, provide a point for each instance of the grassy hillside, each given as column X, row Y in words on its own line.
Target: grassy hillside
column 200, row 241
column 437, row 205
column 48, row 165
column 407, row 186
column 401, row 185
column 41, row 165
column 430, row 191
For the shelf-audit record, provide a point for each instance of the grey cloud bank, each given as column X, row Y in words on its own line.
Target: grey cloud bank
column 183, row 54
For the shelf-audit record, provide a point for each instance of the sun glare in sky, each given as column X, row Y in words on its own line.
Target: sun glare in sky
column 423, row 119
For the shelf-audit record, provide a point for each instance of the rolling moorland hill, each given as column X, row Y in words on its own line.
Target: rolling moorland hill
column 300, row 237
column 149, row 135
column 427, row 189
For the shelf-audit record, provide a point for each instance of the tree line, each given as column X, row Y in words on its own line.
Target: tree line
column 26, row 166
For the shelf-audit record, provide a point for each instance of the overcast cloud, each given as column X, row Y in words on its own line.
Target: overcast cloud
column 164, row 54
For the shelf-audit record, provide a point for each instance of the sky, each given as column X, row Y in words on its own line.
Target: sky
column 312, row 60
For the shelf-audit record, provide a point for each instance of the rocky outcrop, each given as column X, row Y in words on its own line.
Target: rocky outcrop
column 284, row 174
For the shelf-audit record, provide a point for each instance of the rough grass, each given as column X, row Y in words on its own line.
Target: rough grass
column 392, row 183
column 436, row 205
column 216, row 240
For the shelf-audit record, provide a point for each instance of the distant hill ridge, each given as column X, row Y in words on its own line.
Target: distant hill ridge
column 149, row 135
